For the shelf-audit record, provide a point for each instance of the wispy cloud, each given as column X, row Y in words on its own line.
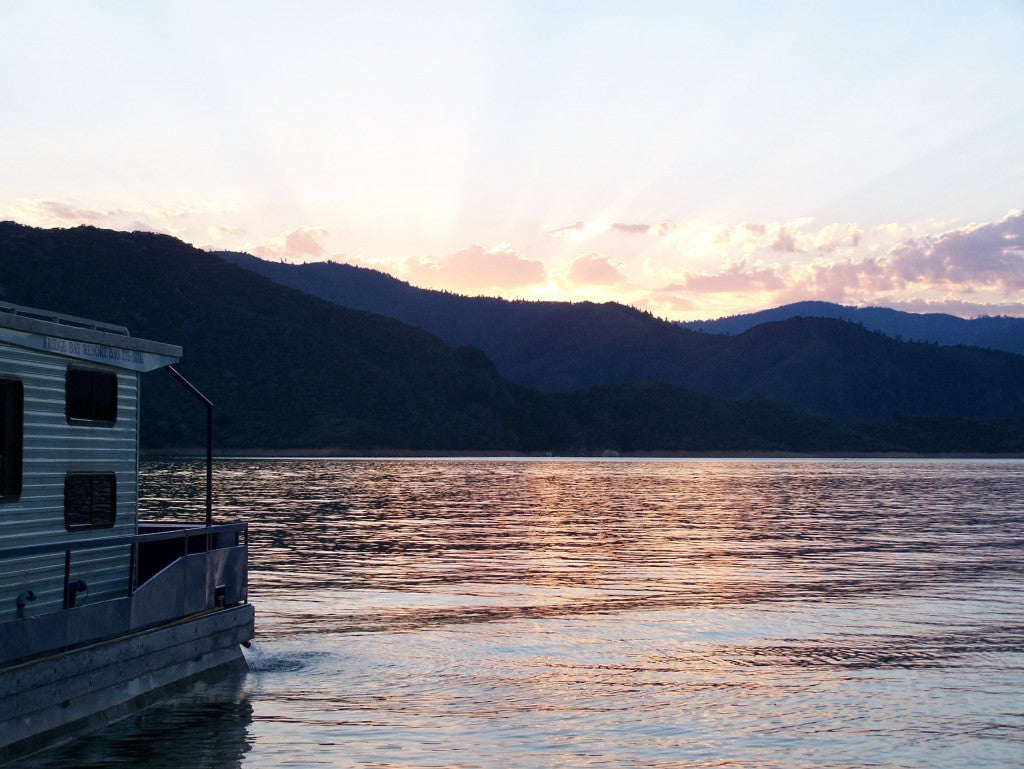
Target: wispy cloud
column 835, row 237
column 68, row 212
column 305, row 244
column 595, row 269
column 672, row 298
column 960, row 307
column 786, row 242
column 476, row 269
column 581, row 227
column 779, row 237
column 569, row 229
column 737, row 277
column 169, row 219
column 659, row 230
column 632, row 229
column 218, row 231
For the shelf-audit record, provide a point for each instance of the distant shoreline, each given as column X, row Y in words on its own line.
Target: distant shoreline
column 334, row 453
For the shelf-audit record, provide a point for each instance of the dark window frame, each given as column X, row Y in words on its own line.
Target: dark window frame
column 12, row 437
column 90, row 501
column 90, row 396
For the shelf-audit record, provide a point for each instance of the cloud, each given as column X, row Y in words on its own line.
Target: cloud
column 965, row 309
column 224, row 230
column 60, row 213
column 71, row 213
column 786, row 242
column 305, row 244
column 777, row 237
column 835, row 280
column 838, row 280
column 581, row 227
column 183, row 221
column 305, row 241
column 633, row 229
column 987, row 255
column 595, row 269
column 476, row 269
column 836, row 237
column 659, row 230
column 982, row 261
column 570, row 229
column 670, row 297
column 736, row 277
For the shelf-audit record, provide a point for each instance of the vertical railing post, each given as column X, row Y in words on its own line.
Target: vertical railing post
column 209, row 467
column 67, row 578
column 131, row 567
column 209, row 440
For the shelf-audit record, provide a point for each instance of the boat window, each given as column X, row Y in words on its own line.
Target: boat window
column 12, row 428
column 90, row 500
column 91, row 395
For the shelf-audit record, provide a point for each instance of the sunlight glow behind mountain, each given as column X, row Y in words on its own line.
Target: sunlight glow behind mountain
column 695, row 159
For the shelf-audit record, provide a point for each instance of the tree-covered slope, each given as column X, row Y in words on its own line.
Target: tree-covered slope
column 283, row 369
column 817, row 364
column 641, row 418
column 459, row 320
column 289, row 371
column 840, row 370
column 993, row 332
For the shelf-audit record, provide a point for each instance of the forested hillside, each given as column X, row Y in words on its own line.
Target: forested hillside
column 992, row 332
column 288, row 371
column 832, row 368
column 283, row 369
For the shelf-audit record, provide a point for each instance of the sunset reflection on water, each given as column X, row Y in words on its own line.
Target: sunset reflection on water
column 549, row 613
column 496, row 538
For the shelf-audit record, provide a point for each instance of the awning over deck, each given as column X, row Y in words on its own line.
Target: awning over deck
column 83, row 339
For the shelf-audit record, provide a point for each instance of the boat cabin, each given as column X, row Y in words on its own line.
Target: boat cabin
column 69, row 419
column 77, row 567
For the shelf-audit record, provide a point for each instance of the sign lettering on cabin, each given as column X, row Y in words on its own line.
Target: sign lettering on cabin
column 98, row 352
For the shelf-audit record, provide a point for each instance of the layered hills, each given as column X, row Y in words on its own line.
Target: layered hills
column 290, row 371
column 287, row 371
column 284, row 370
column 822, row 365
column 480, row 321
column 993, row 332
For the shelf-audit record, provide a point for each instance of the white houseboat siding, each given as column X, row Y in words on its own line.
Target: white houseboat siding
column 54, row 447
column 63, row 455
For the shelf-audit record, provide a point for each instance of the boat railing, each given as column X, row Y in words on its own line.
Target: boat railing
column 149, row 551
column 61, row 318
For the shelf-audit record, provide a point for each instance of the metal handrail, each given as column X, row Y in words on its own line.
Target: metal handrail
column 61, row 318
column 126, row 539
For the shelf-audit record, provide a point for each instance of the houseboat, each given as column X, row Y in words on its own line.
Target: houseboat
column 100, row 613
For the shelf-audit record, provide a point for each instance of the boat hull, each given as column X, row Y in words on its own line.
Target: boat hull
column 51, row 700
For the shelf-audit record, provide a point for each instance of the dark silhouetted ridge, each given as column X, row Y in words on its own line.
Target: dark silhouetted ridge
column 288, row 370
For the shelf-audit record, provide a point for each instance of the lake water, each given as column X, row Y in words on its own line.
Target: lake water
column 619, row 613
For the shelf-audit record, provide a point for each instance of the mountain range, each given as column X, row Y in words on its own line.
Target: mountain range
column 992, row 332
column 291, row 371
column 822, row 365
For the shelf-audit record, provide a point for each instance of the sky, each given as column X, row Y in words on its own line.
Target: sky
column 693, row 159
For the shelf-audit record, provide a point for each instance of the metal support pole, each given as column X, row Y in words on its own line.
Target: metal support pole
column 209, row 439
column 131, row 568
column 67, row 579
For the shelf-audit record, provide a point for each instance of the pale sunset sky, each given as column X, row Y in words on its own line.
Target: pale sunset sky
column 695, row 159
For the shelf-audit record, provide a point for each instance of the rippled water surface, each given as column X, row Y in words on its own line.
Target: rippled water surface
column 621, row 613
